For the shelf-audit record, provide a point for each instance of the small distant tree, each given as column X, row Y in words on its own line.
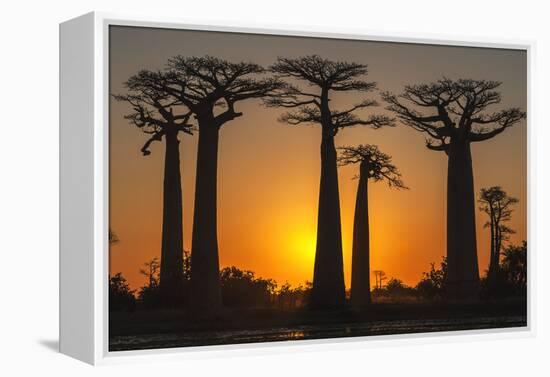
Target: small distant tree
column 150, row 271
column 379, row 276
column 149, row 294
column 374, row 166
column 496, row 203
column 432, row 284
column 121, row 297
column 319, row 79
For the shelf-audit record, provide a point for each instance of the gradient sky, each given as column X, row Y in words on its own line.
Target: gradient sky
column 268, row 178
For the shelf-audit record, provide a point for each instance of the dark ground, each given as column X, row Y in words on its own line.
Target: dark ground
column 177, row 328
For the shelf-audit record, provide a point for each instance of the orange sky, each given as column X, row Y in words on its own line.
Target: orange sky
column 268, row 177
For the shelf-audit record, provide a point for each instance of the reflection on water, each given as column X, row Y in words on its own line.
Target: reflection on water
column 150, row 341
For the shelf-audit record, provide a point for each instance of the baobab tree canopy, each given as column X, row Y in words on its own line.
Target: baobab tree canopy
column 453, row 108
column 453, row 114
column 202, row 83
column 378, row 165
column 322, row 76
column 155, row 111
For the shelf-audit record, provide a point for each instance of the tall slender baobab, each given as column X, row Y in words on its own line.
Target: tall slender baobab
column 210, row 87
column 453, row 115
column 156, row 114
column 375, row 166
column 322, row 77
column 496, row 203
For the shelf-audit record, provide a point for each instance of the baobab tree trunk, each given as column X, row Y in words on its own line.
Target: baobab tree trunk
column 171, row 264
column 492, row 271
column 360, row 267
column 205, row 276
column 497, row 247
column 328, row 276
column 463, row 274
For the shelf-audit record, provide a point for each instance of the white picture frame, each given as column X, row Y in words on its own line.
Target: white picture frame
column 84, row 184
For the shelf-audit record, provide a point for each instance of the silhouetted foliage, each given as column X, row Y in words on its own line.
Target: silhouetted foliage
column 149, row 294
column 395, row 290
column 154, row 110
column 376, row 165
column 319, row 79
column 287, row 297
column 432, row 284
column 453, row 114
column 511, row 279
column 121, row 297
column 243, row 289
column 514, row 265
column 496, row 203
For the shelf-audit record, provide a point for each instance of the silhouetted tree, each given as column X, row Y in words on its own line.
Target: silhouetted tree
column 204, row 85
column 149, row 294
column 379, row 277
column 453, row 115
column 154, row 112
column 321, row 78
column 150, row 271
column 514, row 265
column 243, row 289
column 396, row 288
column 287, row 297
column 121, row 297
column 496, row 203
column 375, row 166
column 432, row 284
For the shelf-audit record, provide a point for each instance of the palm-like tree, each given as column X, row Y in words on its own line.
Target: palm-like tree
column 496, row 203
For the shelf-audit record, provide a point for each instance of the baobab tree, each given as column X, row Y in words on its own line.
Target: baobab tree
column 496, row 203
column 311, row 102
column 150, row 271
column 379, row 276
column 210, row 88
column 374, row 166
column 163, row 117
column 452, row 113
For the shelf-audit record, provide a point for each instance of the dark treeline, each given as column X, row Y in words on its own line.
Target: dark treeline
column 200, row 94
column 243, row 289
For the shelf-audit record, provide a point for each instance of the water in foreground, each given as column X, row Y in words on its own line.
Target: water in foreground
column 174, row 329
